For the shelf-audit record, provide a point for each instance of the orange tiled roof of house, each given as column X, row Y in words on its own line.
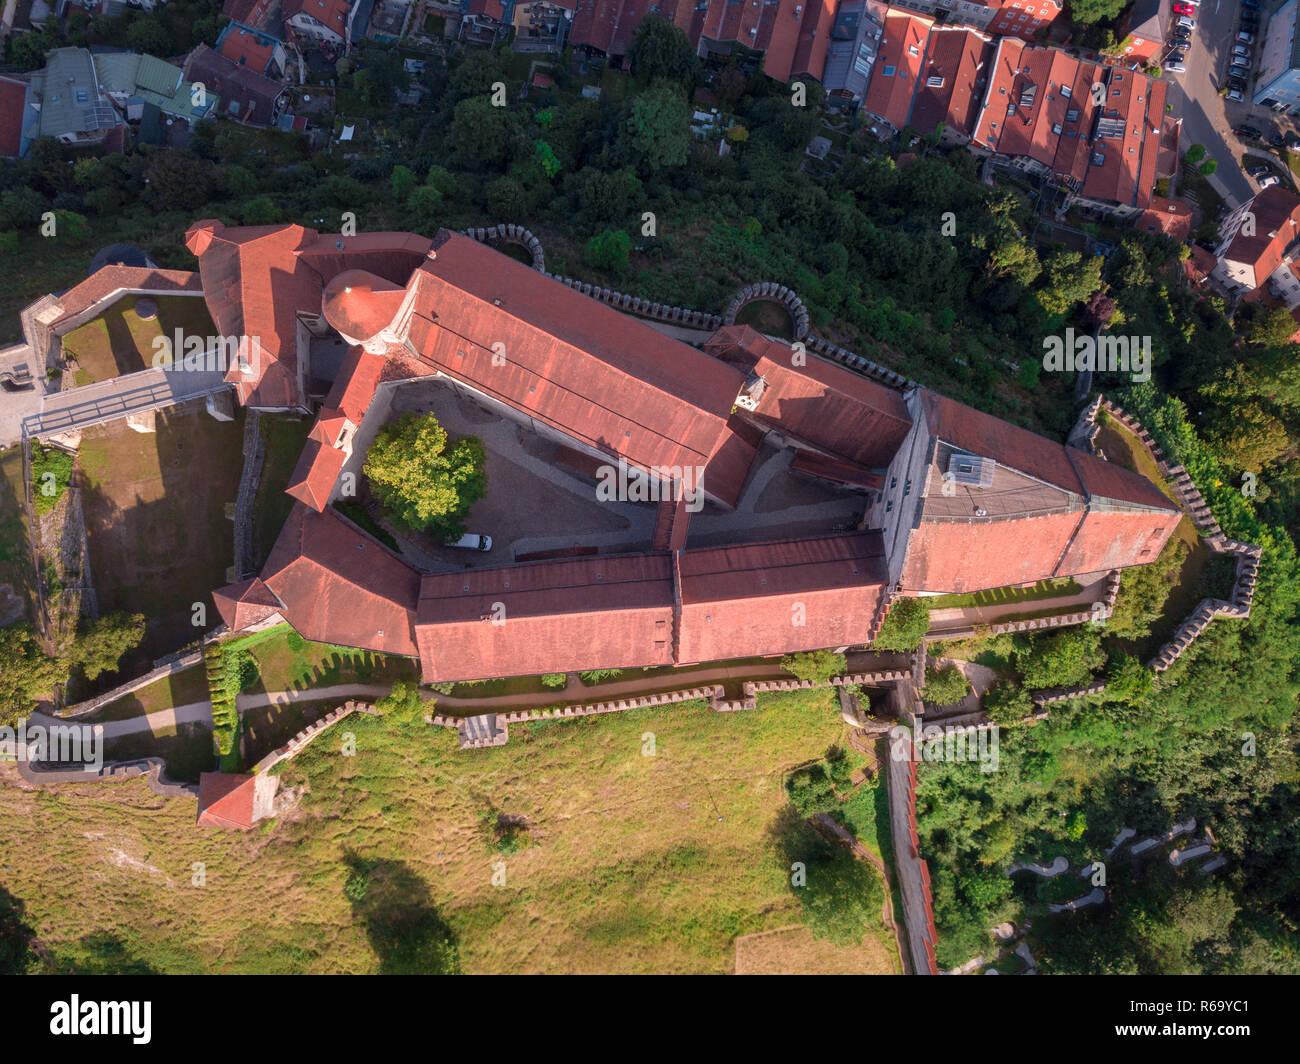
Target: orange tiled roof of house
column 1169, row 216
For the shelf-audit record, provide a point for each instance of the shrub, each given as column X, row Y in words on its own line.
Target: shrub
column 815, row 665
column 945, row 686
column 904, row 625
column 555, row 680
column 600, row 675
column 1007, row 703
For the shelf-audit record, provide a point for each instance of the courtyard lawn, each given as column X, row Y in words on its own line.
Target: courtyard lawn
column 999, row 596
column 287, row 662
column 285, row 438
column 155, row 504
column 623, row 863
column 119, row 341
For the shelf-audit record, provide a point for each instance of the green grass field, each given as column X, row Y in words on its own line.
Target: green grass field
column 120, row 341
column 622, row 863
column 15, row 559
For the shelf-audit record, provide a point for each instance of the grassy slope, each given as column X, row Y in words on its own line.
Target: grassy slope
column 628, row 867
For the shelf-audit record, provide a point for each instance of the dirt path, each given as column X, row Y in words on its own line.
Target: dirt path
column 163, row 720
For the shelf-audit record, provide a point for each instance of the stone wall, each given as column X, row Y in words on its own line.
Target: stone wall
column 509, row 233
column 770, row 291
column 153, row 768
column 254, row 455
column 294, row 746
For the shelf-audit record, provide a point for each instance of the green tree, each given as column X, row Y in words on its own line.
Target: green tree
column 101, row 646
column 403, row 181
column 815, row 665
column 1064, row 659
column 609, row 251
column 1006, row 702
column 422, row 482
column 28, row 673
column 662, row 50
column 659, row 127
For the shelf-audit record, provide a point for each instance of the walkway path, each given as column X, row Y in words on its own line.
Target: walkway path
column 908, row 867
column 163, row 720
column 94, row 404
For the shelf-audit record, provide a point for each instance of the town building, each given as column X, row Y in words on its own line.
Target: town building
column 1254, row 240
column 241, row 93
column 1277, row 71
column 1143, row 31
column 322, row 21
column 67, row 100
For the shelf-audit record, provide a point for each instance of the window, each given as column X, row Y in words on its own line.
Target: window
column 1072, row 115
column 911, row 50
column 1065, row 91
column 889, row 71
column 1057, row 129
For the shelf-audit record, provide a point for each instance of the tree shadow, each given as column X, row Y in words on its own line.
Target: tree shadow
column 100, row 953
column 402, row 923
column 16, row 935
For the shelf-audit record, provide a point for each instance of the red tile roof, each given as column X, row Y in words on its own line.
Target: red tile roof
column 820, row 403
column 1277, row 225
column 952, row 80
column 779, row 597
column 330, row 13
column 340, row 586
column 244, row 48
column 898, row 67
column 1168, row 216
column 109, row 280
column 13, row 101
column 245, row 603
column 579, row 613
column 226, row 800
column 359, row 304
column 313, row 479
column 567, row 360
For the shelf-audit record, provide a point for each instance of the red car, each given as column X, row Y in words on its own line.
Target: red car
column 1184, row 9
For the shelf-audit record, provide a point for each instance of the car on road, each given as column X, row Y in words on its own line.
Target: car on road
column 1269, row 181
column 1235, row 96
column 471, row 541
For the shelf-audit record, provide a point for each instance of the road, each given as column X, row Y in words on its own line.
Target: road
column 1208, row 118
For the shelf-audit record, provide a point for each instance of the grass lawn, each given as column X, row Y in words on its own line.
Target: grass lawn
column 155, row 506
column 767, row 317
column 285, row 665
column 285, row 438
column 187, row 750
column 17, row 584
column 1122, row 447
column 627, row 863
column 998, row 596
column 179, row 689
column 119, row 341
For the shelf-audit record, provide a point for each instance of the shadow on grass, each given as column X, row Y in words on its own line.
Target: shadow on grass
column 402, row 923
column 840, row 895
column 100, row 953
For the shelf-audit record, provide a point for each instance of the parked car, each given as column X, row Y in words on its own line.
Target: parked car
column 1250, row 5
column 1183, row 9
column 1276, row 140
column 1249, row 132
column 1180, row 33
column 1185, row 22
column 1246, row 38
column 1237, row 84
column 1241, row 50
column 1268, row 182
column 1258, row 172
column 1235, row 96
column 1176, row 67
column 1174, row 57
column 1236, row 71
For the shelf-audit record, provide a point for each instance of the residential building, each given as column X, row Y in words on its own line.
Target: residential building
column 1254, row 240
column 1100, row 133
column 1171, row 217
column 1143, row 30
column 241, row 94
column 254, row 49
column 67, row 97
column 1277, row 80
column 322, row 21
column 854, row 46
column 13, row 116
column 134, row 82
column 1002, row 18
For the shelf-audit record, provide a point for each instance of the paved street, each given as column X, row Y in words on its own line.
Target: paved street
column 1208, row 118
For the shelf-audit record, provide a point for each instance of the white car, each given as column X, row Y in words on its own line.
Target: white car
column 1176, row 68
column 1186, row 23
column 471, row 541
column 1246, row 38
column 1268, row 182
column 1235, row 96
